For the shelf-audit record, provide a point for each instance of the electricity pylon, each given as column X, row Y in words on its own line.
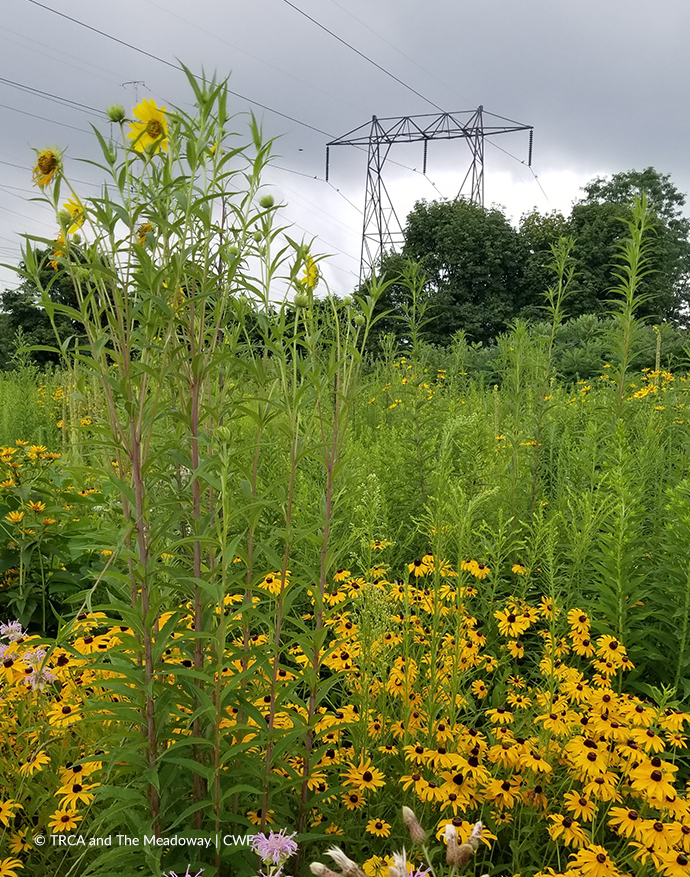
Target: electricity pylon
column 383, row 231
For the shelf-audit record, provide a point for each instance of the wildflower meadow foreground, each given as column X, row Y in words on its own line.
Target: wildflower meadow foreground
column 277, row 600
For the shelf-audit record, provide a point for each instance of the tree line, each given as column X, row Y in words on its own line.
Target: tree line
column 480, row 271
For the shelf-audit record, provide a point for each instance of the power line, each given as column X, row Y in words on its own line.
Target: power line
column 399, row 51
column 357, row 52
column 64, row 100
column 24, row 167
column 179, row 68
column 24, row 216
column 331, row 220
column 261, row 60
column 46, row 46
column 523, row 162
column 44, row 119
column 174, row 66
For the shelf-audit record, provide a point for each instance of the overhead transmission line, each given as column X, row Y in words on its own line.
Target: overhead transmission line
column 528, row 165
column 361, row 55
column 249, row 100
column 174, row 66
column 399, row 51
column 63, row 100
column 235, row 93
column 43, row 118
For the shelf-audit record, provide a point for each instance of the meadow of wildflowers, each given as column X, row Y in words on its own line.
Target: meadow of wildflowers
column 257, row 581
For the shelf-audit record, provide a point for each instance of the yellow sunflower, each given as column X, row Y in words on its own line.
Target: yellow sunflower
column 310, row 278
column 78, row 213
column 150, row 133
column 47, row 166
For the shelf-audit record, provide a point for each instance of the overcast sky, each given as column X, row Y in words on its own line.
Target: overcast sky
column 603, row 83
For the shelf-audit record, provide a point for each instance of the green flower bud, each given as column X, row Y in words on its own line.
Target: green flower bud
column 64, row 218
column 301, row 300
column 116, row 113
column 347, row 301
column 360, row 320
column 232, row 250
column 267, row 202
column 258, row 237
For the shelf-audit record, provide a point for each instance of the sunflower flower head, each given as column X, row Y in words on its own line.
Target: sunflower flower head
column 48, row 165
column 150, row 130
column 310, row 278
column 75, row 214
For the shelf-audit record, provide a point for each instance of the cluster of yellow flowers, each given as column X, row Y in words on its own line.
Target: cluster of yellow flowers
column 565, row 753
column 50, row 756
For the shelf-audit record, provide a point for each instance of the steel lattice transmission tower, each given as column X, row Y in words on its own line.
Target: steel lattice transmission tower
column 383, row 230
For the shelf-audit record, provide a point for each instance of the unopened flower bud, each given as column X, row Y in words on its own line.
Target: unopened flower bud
column 457, row 856
column 347, row 301
column 417, row 833
column 64, row 218
column 301, row 300
column 346, row 865
column 321, row 870
column 267, row 202
column 116, row 113
column 258, row 236
column 360, row 320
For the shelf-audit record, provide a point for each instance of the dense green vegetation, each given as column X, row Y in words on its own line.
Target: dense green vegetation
column 270, row 564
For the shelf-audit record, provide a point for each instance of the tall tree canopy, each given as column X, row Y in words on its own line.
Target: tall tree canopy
column 595, row 223
column 473, row 260
column 22, row 309
column 481, row 272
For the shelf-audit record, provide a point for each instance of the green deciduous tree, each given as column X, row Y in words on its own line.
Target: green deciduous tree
column 596, row 224
column 473, row 260
column 21, row 309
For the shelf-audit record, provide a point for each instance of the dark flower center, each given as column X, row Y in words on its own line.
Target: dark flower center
column 154, row 129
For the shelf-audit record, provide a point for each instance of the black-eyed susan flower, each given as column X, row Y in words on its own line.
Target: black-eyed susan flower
column 500, row 716
column 653, row 780
column 375, row 866
column 353, row 800
column 8, row 810
column 594, row 862
column 580, row 806
column 35, row 764
column 256, row 816
column 673, row 864
column 378, row 827
column 63, row 820
column 19, row 843
column 418, row 567
column 363, row 776
column 9, row 867
column 74, row 793
column 625, row 821
column 568, row 830
column 511, row 623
